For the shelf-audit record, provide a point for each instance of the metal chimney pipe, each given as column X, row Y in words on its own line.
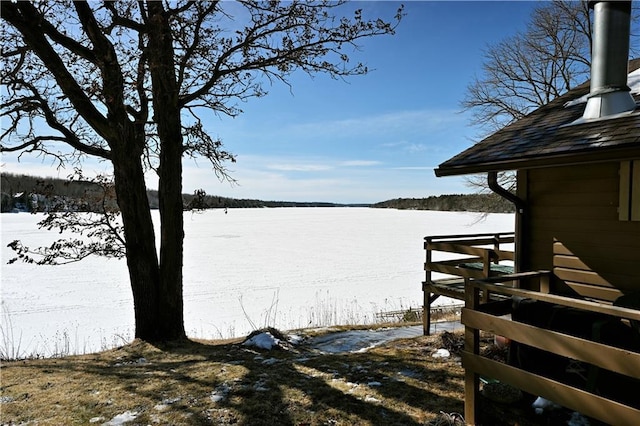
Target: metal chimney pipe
column 609, row 92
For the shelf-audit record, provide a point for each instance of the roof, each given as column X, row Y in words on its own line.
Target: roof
column 547, row 137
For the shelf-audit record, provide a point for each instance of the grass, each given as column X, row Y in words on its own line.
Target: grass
column 225, row 382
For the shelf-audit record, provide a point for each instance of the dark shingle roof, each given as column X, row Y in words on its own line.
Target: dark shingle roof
column 547, row 137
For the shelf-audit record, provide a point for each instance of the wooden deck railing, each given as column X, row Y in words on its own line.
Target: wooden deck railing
column 475, row 256
column 477, row 316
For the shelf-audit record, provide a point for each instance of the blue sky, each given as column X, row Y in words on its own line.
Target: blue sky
column 371, row 138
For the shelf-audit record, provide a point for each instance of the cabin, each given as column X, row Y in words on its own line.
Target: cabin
column 567, row 296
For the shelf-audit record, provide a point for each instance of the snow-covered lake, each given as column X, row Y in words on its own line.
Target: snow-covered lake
column 285, row 267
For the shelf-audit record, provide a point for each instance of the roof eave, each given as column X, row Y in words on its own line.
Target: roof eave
column 572, row 158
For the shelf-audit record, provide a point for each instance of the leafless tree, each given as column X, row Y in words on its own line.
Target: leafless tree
column 129, row 82
column 531, row 68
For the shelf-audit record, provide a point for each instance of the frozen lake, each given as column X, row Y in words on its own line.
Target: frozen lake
column 285, row 267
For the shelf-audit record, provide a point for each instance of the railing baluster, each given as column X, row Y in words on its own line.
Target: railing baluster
column 471, row 345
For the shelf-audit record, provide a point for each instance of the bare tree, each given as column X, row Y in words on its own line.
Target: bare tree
column 130, row 82
column 531, row 68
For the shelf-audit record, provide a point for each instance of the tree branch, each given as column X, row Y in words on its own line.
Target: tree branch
column 22, row 15
column 296, row 24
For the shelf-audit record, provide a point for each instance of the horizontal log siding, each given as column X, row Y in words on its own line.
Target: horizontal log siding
column 578, row 207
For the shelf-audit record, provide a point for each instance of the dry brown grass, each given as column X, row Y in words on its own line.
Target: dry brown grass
column 202, row 383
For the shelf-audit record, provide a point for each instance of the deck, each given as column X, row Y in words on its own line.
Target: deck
column 596, row 326
column 462, row 257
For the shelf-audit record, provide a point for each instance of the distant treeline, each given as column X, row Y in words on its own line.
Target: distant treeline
column 485, row 203
column 216, row 202
column 30, row 193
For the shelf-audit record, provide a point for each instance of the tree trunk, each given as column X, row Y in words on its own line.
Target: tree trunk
column 157, row 290
column 166, row 111
column 142, row 257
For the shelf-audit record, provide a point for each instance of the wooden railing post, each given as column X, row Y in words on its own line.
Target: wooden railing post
column 426, row 293
column 545, row 286
column 486, row 263
column 471, row 345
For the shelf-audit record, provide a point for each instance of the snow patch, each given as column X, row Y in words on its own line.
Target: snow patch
column 264, row 340
column 541, row 404
column 120, row 419
column 215, row 397
column 220, row 393
column 357, row 341
column 139, row 361
column 441, row 353
column 633, row 81
column 581, row 100
column 164, row 405
column 294, row 339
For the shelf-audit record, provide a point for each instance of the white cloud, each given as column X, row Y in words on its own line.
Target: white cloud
column 415, row 147
column 390, row 123
column 48, row 167
column 394, row 144
column 360, row 163
column 299, row 167
column 414, row 168
column 348, row 181
column 302, row 165
column 294, row 178
column 405, row 146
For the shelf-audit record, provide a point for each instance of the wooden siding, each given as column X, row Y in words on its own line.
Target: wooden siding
column 629, row 190
column 577, row 208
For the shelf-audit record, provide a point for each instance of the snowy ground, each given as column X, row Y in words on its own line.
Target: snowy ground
column 287, row 268
column 362, row 340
